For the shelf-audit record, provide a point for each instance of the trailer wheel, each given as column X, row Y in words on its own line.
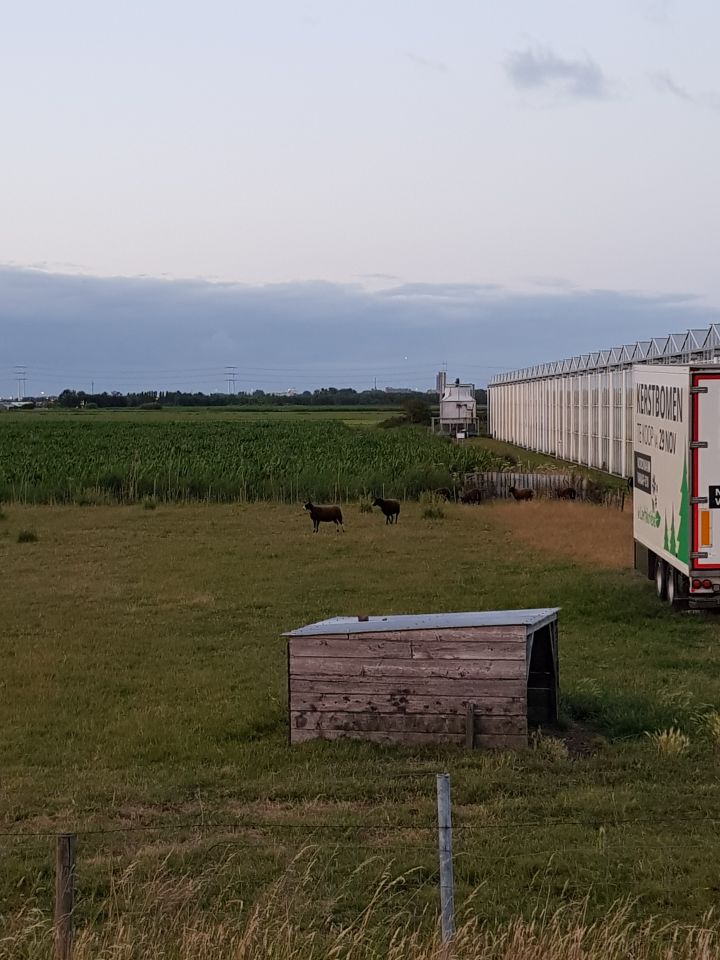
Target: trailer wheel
column 660, row 579
column 674, row 584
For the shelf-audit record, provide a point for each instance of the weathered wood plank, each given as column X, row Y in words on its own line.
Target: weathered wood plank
column 372, row 702
column 353, row 646
column 416, row 686
column 319, row 667
column 400, row 738
column 394, row 737
column 411, row 723
column 469, row 725
column 442, row 649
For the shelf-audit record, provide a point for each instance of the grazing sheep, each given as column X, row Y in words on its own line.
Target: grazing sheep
column 325, row 515
column 566, row 493
column 471, row 496
column 391, row 509
column 524, row 493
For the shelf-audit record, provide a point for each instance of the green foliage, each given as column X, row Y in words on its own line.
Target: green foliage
column 390, row 423
column 418, row 411
column 149, row 503
column 27, row 536
column 433, row 512
column 64, row 461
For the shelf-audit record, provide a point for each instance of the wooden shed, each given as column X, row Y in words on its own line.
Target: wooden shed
column 479, row 679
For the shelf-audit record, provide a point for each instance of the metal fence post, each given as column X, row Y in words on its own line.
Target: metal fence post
column 64, row 895
column 447, row 891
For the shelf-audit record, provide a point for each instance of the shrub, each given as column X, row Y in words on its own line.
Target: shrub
column 417, row 411
column 433, row 513
column 430, row 498
column 670, row 743
column 392, row 422
column 149, row 503
column 365, row 505
column 27, row 536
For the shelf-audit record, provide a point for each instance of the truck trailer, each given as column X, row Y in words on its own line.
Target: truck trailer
column 676, row 481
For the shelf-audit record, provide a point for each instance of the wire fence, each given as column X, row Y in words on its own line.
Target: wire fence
column 508, row 859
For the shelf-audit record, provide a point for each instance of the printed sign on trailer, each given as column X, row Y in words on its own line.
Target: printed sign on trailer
column 661, row 441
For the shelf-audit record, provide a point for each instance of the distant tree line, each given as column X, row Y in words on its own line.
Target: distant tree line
column 325, row 397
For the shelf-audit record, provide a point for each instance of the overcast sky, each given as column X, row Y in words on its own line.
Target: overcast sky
column 487, row 183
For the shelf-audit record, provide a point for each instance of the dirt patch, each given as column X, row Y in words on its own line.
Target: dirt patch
column 580, row 742
column 593, row 535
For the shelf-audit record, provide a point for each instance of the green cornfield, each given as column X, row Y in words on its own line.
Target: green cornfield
column 101, row 462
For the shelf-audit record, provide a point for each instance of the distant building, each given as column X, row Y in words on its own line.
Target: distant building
column 458, row 409
column 26, row 404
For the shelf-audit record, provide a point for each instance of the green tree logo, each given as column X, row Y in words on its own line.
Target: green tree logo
column 665, row 541
column 673, row 543
column 682, row 549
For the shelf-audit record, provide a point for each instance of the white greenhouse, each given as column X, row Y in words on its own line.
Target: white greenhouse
column 581, row 409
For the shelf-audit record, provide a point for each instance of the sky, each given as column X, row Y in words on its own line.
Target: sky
column 321, row 193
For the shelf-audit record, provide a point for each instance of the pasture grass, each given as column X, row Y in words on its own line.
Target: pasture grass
column 143, row 692
column 175, row 915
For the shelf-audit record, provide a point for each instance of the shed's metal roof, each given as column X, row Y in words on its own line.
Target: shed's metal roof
column 428, row 621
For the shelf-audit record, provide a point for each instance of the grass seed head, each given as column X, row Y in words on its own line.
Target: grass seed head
column 671, row 742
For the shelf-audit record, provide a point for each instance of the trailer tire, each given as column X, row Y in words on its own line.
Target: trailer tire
column 660, row 579
column 674, row 588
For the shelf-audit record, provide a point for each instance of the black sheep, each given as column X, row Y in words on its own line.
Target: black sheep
column 325, row 515
column 391, row 509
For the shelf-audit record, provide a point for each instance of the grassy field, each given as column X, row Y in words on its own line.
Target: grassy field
column 352, row 416
column 143, row 697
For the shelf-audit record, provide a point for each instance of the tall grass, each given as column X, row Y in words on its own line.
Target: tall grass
column 89, row 461
column 165, row 916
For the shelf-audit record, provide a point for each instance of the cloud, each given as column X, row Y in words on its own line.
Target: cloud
column 151, row 333
column 665, row 83
column 419, row 61
column 378, row 276
column 542, row 69
column 658, row 11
